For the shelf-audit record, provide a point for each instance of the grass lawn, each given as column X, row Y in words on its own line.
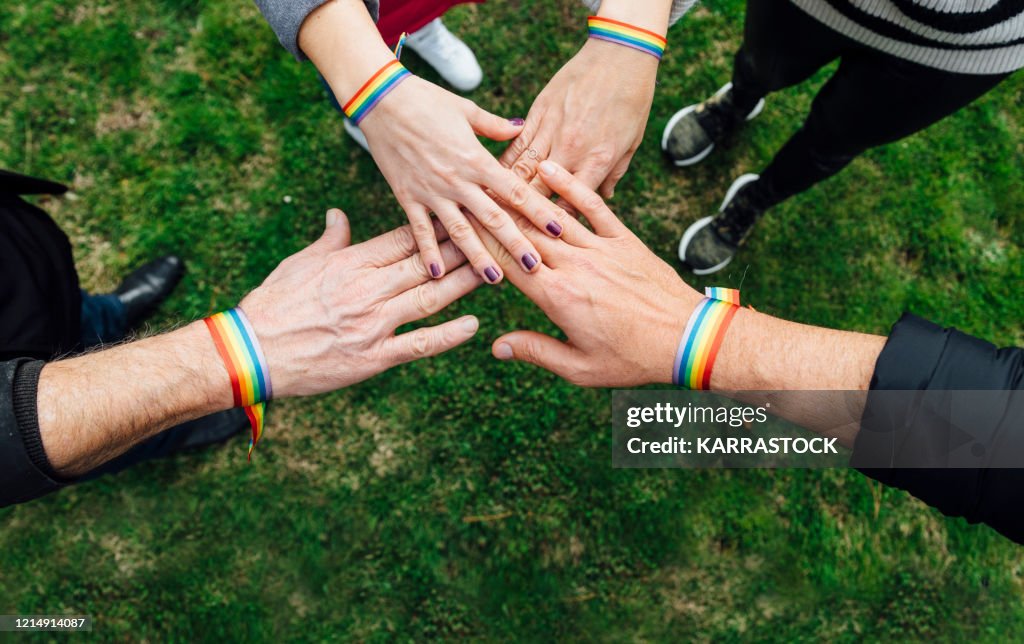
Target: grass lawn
column 462, row 496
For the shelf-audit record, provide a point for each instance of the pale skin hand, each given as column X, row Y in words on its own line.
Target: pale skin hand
column 325, row 318
column 623, row 311
column 591, row 116
column 424, row 139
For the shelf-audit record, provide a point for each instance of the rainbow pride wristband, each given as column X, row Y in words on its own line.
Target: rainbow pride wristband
column 625, row 34
column 703, row 337
column 374, row 90
column 250, row 377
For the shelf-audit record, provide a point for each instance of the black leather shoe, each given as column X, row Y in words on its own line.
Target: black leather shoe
column 147, row 286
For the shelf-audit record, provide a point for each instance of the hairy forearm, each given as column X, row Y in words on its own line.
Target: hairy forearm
column 764, row 353
column 95, row 407
column 342, row 40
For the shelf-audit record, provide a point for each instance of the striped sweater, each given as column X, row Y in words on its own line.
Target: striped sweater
column 962, row 36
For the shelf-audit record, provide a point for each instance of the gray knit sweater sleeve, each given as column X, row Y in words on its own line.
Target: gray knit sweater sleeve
column 679, row 7
column 286, row 17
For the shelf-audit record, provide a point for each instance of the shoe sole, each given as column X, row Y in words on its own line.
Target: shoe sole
column 703, row 222
column 678, row 116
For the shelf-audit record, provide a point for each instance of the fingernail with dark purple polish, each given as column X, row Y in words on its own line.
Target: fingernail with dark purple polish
column 491, row 274
column 554, row 228
column 529, row 261
column 518, row 122
column 435, row 270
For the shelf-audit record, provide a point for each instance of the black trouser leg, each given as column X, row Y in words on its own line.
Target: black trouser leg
column 872, row 99
column 782, row 46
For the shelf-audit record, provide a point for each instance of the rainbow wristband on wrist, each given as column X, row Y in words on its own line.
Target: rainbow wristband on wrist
column 250, row 377
column 703, row 337
column 627, row 35
column 370, row 94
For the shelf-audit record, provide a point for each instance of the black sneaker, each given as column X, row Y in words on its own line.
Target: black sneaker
column 710, row 243
column 692, row 132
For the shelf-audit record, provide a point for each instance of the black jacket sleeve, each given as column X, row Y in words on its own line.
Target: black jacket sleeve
column 902, row 431
column 25, row 473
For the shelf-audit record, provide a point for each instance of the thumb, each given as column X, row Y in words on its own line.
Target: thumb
column 493, row 126
column 608, row 186
column 337, row 234
column 541, row 350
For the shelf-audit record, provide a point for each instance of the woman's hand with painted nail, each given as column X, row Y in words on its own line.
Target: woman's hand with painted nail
column 423, row 138
column 621, row 307
column 326, row 317
column 590, row 118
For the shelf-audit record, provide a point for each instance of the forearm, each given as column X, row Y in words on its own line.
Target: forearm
column 95, row 407
column 763, row 353
column 342, row 40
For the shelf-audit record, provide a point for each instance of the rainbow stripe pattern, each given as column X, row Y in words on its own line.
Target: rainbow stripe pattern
column 374, row 90
column 703, row 337
column 250, row 378
column 625, row 34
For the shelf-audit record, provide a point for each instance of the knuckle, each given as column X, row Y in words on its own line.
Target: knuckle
column 404, row 239
column 602, row 156
column 523, row 169
column 591, row 201
column 517, row 146
column 519, row 195
column 530, row 352
column 418, row 266
column 448, row 174
column 420, row 345
column 460, row 231
column 422, row 229
column 492, row 218
column 500, row 255
column 426, row 300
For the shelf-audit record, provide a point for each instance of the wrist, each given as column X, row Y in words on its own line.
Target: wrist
column 342, row 40
column 608, row 55
column 652, row 16
column 702, row 338
column 213, row 383
column 380, row 99
column 627, row 35
column 346, row 78
column 673, row 314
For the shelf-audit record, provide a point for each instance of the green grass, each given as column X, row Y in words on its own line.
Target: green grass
column 462, row 496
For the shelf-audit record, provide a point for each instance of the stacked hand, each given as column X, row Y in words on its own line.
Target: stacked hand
column 590, row 118
column 423, row 138
column 621, row 307
column 326, row 317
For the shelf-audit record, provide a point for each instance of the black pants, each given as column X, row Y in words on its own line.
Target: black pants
column 41, row 307
column 872, row 99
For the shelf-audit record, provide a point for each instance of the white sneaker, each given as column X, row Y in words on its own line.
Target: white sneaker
column 356, row 134
column 452, row 58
